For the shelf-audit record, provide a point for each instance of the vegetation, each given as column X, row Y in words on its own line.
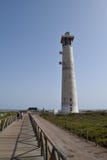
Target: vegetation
column 91, row 126
column 4, row 114
column 6, row 118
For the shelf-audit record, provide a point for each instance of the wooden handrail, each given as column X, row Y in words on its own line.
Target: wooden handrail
column 7, row 121
column 48, row 149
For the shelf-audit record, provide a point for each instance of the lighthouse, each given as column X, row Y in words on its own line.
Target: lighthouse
column 69, row 99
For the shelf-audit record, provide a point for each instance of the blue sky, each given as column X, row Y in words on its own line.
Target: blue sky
column 30, row 32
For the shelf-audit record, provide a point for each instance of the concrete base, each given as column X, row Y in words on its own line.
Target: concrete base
column 67, row 110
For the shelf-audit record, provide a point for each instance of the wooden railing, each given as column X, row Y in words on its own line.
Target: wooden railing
column 7, row 121
column 48, row 149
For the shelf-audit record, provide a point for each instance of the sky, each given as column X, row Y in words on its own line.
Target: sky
column 30, row 33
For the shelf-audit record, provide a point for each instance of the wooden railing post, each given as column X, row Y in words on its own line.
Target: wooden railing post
column 53, row 156
column 46, row 149
column 41, row 144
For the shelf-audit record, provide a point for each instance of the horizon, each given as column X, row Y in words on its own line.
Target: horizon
column 85, row 108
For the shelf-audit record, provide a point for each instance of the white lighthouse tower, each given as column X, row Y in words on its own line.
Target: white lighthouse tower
column 69, row 92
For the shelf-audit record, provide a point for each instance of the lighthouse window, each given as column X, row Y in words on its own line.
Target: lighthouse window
column 67, row 41
column 70, row 99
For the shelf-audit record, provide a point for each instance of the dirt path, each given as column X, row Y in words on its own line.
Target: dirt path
column 73, row 147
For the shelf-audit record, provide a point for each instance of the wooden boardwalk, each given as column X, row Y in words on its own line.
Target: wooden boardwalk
column 18, row 142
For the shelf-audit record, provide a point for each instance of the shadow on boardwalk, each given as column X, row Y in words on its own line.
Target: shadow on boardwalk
column 26, row 146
